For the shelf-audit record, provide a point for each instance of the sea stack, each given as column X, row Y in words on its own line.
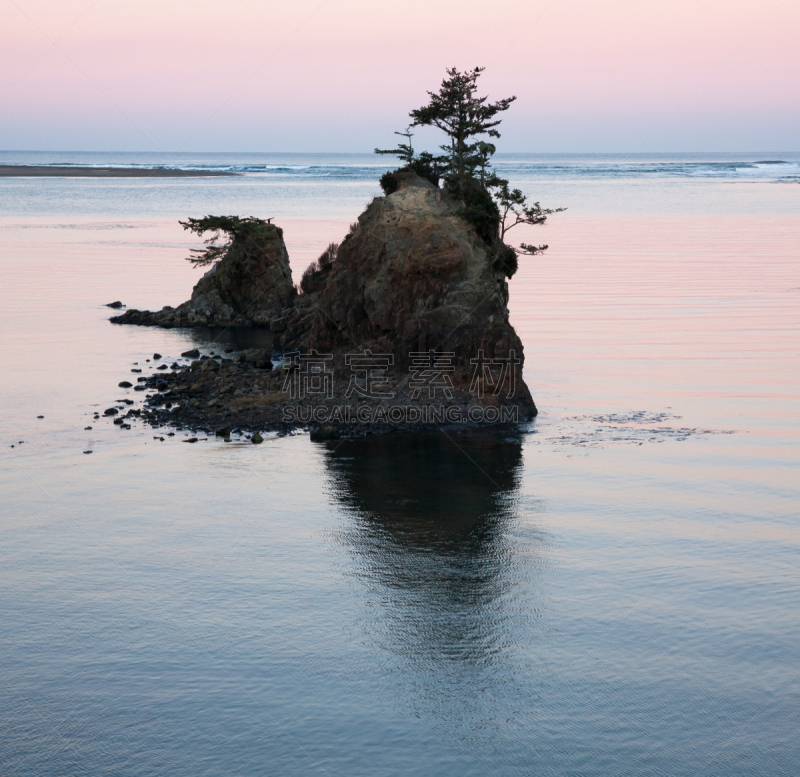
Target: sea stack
column 413, row 290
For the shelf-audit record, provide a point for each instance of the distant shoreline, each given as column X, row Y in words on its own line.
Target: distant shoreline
column 46, row 171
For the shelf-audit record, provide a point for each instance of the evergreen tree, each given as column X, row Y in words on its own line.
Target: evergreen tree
column 426, row 165
column 515, row 210
column 248, row 232
column 485, row 199
column 462, row 116
column 404, row 151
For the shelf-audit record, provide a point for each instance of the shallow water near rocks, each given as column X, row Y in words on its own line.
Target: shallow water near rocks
column 611, row 589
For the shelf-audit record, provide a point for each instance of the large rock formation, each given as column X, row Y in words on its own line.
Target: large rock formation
column 414, row 276
column 413, row 283
column 249, row 286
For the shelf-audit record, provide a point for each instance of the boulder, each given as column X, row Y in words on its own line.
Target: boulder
column 260, row 357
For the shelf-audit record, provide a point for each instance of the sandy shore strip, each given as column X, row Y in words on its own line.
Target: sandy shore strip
column 46, row 171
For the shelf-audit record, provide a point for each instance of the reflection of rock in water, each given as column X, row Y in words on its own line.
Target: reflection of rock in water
column 450, row 575
column 430, row 513
column 239, row 338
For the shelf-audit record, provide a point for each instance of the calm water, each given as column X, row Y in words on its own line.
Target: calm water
column 613, row 590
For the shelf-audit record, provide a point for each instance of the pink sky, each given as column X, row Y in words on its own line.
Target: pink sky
column 341, row 75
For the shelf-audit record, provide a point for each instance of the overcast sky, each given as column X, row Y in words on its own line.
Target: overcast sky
column 341, row 75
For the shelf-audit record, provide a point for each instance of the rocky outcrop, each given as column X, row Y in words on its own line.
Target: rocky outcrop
column 413, row 277
column 411, row 311
column 249, row 286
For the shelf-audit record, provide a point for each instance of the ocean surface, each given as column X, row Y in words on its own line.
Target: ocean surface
column 612, row 590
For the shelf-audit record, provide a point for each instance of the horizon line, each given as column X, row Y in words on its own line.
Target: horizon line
column 371, row 153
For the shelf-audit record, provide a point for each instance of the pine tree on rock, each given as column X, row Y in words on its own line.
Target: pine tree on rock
column 462, row 116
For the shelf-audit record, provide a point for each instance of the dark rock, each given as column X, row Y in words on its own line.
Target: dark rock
column 250, row 285
column 84, row 451
column 415, row 277
column 116, row 305
column 223, row 432
column 260, row 357
column 87, row 428
column 139, row 388
column 162, row 367
column 191, row 439
column 256, row 439
column 110, row 411
column 40, row 416
column 322, row 433
column 135, row 370
column 118, row 421
column 125, row 384
column 156, row 357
